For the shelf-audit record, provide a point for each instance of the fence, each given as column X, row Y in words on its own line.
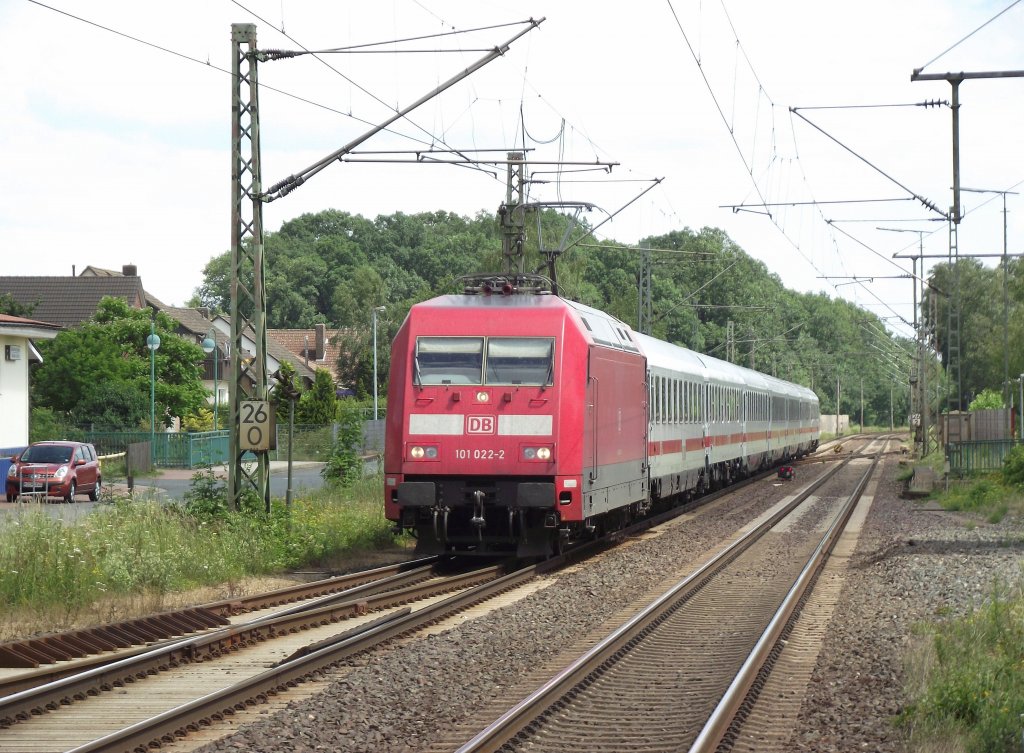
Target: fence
column 204, row 448
column 981, row 455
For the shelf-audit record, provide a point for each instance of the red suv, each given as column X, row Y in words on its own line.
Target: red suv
column 55, row 469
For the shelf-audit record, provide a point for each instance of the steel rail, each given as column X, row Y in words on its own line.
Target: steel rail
column 496, row 734
column 20, row 705
column 78, row 644
column 175, row 722
column 725, row 713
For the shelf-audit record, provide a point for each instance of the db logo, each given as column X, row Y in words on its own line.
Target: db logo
column 479, row 424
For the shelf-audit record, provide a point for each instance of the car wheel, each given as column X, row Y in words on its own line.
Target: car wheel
column 71, row 493
column 94, row 495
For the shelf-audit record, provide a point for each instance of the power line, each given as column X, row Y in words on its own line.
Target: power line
column 956, row 44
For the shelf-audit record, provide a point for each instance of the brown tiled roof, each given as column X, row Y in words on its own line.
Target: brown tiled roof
column 92, row 271
column 69, row 301
column 295, row 340
column 22, row 321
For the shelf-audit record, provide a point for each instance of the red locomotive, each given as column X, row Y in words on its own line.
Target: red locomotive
column 520, row 422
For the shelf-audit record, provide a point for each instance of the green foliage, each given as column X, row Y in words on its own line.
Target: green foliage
column 112, row 406
column 284, row 390
column 344, row 466
column 320, row 404
column 985, row 400
column 129, row 548
column 335, row 267
column 975, row 689
column 46, row 423
column 11, row 307
column 207, row 496
column 987, row 496
column 982, row 319
column 1013, row 467
column 201, row 420
column 111, row 349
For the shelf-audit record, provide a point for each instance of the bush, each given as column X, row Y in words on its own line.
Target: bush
column 1013, row 467
column 345, row 465
column 975, row 689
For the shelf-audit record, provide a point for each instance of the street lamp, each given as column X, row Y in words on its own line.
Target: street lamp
column 375, row 310
column 152, row 342
column 210, row 346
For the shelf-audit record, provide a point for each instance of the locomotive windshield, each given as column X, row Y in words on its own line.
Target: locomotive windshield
column 519, row 360
column 461, row 360
column 449, row 360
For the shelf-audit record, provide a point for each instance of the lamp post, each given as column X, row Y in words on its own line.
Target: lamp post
column 375, row 311
column 210, row 346
column 1021, row 406
column 152, row 342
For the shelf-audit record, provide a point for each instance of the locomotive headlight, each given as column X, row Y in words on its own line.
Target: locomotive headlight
column 537, row 453
column 423, row 452
column 483, row 397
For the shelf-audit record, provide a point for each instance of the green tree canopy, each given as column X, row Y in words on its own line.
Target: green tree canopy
column 106, row 360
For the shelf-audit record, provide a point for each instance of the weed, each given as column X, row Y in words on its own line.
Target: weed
column 973, row 687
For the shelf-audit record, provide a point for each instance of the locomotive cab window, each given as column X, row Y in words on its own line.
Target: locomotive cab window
column 449, row 360
column 520, row 360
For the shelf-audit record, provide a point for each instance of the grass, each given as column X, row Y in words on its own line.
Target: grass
column 56, row 573
column 967, row 680
column 988, row 497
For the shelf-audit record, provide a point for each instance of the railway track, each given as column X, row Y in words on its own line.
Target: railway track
column 684, row 672
column 163, row 692
column 160, row 691
column 75, row 644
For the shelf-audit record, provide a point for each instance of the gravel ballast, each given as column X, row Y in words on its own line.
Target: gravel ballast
column 910, row 565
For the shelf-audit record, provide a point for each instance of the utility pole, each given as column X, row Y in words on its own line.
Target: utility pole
column 918, row 382
column 511, row 214
column 1007, row 398
column 248, row 292
column 954, row 356
column 645, row 306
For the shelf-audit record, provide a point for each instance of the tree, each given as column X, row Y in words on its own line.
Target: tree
column 11, row 307
column 109, row 352
column 986, row 400
column 112, row 406
column 319, row 405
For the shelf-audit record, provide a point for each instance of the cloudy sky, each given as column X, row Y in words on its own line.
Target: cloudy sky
column 113, row 152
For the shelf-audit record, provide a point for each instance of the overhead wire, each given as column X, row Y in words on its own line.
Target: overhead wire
column 957, row 44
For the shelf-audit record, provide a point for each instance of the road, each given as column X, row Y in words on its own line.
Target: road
column 304, row 478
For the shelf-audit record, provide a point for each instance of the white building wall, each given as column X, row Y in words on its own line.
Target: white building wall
column 14, row 411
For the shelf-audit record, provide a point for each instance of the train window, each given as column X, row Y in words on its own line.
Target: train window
column 520, row 360
column 449, row 360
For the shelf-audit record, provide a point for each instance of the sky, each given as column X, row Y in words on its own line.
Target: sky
column 114, row 152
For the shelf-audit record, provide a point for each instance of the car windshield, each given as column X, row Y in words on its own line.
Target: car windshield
column 42, row 453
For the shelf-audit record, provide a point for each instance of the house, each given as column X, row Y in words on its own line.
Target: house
column 319, row 348
column 198, row 325
column 69, row 301
column 16, row 336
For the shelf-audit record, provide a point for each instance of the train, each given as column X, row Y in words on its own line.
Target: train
column 520, row 423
